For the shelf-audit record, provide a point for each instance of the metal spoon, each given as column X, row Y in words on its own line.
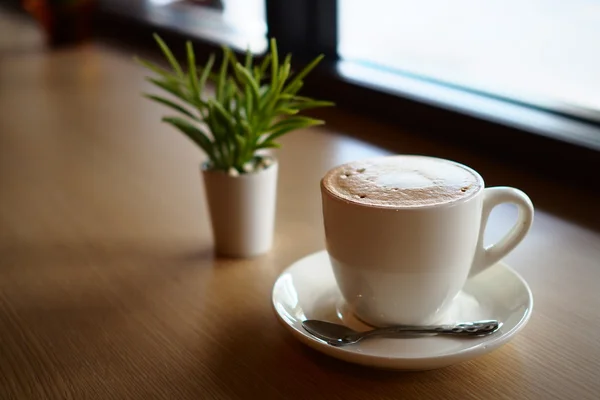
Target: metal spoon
column 340, row 335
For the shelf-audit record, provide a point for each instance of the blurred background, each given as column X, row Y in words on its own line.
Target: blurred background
column 510, row 67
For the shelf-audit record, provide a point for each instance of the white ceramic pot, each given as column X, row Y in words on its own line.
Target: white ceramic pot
column 242, row 210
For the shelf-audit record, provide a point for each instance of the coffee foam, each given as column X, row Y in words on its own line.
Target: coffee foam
column 402, row 181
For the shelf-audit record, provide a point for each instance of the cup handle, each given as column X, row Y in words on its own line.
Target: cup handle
column 488, row 256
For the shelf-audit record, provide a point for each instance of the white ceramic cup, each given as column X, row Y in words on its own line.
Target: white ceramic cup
column 406, row 265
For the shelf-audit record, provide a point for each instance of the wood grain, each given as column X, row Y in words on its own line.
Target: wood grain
column 109, row 288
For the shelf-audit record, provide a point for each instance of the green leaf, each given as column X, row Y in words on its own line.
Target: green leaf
column 275, row 91
column 293, row 88
column 232, row 58
column 301, row 98
column 304, row 72
column 248, row 80
column 290, row 124
column 222, row 75
column 206, row 72
column 230, row 89
column 256, row 73
column 263, row 91
column 268, row 145
column 193, row 75
column 171, row 104
column 156, row 69
column 167, row 52
column 175, row 90
column 288, row 60
column 295, row 120
column 287, row 96
column 311, row 104
column 240, row 140
column 241, row 155
column 265, row 64
column 195, row 134
column 274, row 63
column 213, row 77
column 237, row 111
column 211, row 121
column 284, row 74
column 246, row 129
column 286, row 111
column 225, row 116
column 248, row 60
column 248, row 103
column 237, row 115
column 170, row 87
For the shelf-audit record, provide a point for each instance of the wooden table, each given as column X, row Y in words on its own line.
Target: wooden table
column 109, row 288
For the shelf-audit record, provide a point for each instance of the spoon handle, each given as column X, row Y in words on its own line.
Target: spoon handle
column 476, row 328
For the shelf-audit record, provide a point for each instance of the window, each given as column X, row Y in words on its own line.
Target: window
column 539, row 52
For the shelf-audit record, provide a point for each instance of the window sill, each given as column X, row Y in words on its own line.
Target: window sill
column 511, row 115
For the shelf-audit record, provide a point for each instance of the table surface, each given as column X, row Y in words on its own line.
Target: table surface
column 109, row 287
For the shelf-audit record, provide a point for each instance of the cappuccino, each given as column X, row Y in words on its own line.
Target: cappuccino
column 404, row 233
column 402, row 181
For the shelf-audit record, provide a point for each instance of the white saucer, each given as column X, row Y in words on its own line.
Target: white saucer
column 307, row 290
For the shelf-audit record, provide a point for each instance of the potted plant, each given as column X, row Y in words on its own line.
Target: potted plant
column 253, row 105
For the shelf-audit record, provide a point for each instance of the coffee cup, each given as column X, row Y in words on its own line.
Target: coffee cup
column 404, row 233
